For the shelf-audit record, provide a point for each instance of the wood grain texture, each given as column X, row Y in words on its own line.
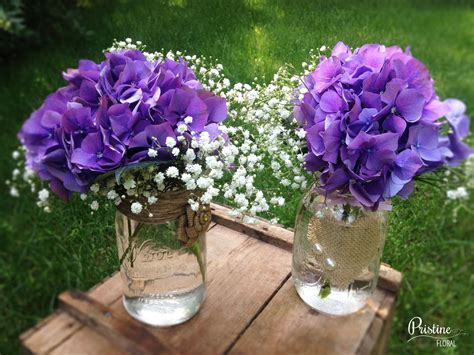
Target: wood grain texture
column 133, row 337
column 86, row 341
column 288, row 326
column 251, row 307
column 386, row 312
column 58, row 329
column 263, row 230
column 389, row 279
column 243, row 274
column 50, row 333
column 371, row 338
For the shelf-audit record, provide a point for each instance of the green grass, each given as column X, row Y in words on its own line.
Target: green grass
column 43, row 254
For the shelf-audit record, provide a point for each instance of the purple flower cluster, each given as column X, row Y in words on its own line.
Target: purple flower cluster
column 373, row 122
column 110, row 114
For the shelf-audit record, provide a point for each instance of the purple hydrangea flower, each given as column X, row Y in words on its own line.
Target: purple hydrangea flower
column 110, row 114
column 373, row 123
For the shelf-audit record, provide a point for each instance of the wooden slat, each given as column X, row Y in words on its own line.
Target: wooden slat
column 49, row 334
column 133, row 337
column 376, row 339
column 389, row 279
column 369, row 342
column 386, row 313
column 108, row 291
column 242, row 277
column 87, row 341
column 288, row 326
column 263, row 230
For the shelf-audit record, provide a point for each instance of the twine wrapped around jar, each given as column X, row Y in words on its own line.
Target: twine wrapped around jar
column 344, row 250
column 170, row 206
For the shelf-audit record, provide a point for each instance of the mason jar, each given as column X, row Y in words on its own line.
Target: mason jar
column 336, row 253
column 163, row 275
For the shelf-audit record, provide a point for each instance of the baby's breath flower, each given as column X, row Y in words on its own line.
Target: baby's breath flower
column 43, row 195
column 159, row 178
column 129, row 184
column 172, row 172
column 152, row 200
column 182, row 128
column 170, row 142
column 152, row 153
column 112, row 195
column 94, row 205
column 14, row 192
column 194, row 205
column 136, row 207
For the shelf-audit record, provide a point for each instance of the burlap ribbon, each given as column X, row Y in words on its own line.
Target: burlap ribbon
column 170, row 206
column 350, row 247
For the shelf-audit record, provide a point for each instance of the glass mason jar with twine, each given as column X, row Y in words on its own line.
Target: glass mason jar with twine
column 336, row 252
column 162, row 252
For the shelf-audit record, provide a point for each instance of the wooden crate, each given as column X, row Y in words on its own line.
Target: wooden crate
column 251, row 307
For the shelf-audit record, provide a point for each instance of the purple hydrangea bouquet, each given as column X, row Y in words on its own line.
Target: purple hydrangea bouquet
column 144, row 132
column 366, row 124
column 373, row 123
column 135, row 125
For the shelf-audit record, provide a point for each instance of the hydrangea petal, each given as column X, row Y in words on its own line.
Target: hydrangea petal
column 410, row 104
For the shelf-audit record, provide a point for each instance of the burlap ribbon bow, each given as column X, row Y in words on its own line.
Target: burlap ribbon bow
column 193, row 224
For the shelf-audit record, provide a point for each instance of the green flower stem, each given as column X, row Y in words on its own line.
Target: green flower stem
column 196, row 250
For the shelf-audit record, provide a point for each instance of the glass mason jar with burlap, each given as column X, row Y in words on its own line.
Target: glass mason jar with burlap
column 336, row 252
column 162, row 253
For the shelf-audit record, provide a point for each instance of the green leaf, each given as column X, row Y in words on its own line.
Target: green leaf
column 325, row 291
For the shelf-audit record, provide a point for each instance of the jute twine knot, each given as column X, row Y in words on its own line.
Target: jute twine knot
column 171, row 206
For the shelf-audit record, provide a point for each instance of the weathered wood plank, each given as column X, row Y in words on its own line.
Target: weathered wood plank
column 229, row 253
column 87, row 342
column 386, row 312
column 108, row 291
column 288, row 326
column 133, row 337
column 50, row 333
column 243, row 274
column 263, row 230
column 389, row 279
column 369, row 343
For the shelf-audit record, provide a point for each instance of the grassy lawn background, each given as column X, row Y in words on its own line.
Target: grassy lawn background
column 44, row 254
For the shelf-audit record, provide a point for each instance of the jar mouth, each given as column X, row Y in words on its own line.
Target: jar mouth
column 169, row 206
column 336, row 198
